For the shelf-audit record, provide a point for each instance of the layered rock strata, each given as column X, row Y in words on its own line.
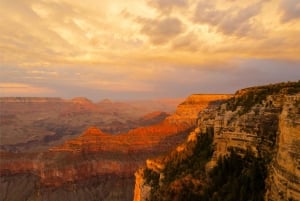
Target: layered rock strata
column 263, row 120
column 284, row 177
column 95, row 154
column 33, row 123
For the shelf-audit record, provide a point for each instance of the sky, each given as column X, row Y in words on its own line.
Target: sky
column 146, row 49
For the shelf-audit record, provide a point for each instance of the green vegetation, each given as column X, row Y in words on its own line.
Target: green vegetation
column 238, row 176
column 180, row 169
column 151, row 177
column 235, row 177
column 191, row 161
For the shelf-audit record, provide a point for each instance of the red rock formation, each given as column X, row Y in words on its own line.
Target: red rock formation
column 97, row 153
column 32, row 123
column 153, row 117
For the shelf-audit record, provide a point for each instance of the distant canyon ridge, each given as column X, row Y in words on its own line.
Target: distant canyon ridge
column 35, row 123
column 213, row 147
column 92, row 164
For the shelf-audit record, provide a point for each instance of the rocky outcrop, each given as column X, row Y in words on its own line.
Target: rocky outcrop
column 187, row 112
column 284, row 178
column 186, row 116
column 144, row 184
column 243, row 127
column 141, row 189
column 262, row 120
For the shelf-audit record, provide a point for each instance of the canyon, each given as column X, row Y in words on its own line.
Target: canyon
column 213, row 147
column 33, row 123
column 95, row 165
column 261, row 124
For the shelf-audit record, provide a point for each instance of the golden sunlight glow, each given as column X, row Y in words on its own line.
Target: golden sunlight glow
column 131, row 36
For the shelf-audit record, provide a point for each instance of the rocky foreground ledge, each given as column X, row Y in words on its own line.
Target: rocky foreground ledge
column 256, row 134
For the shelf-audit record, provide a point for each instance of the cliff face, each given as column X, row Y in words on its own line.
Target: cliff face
column 187, row 112
column 260, row 120
column 141, row 189
column 95, row 163
column 271, row 130
column 185, row 115
column 284, row 178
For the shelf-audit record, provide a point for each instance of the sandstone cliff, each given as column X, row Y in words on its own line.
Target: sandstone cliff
column 284, row 178
column 187, row 112
column 141, row 189
column 260, row 120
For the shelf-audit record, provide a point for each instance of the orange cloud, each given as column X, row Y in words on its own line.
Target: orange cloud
column 124, row 43
column 20, row 89
column 57, row 33
column 167, row 5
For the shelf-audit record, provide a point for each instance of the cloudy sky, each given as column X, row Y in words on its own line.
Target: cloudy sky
column 146, row 48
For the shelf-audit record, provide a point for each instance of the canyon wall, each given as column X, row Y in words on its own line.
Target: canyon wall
column 187, row 112
column 96, row 164
column 260, row 120
column 284, row 179
column 141, row 189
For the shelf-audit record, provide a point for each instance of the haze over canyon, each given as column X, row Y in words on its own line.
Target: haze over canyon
column 96, row 165
column 149, row 100
column 253, row 133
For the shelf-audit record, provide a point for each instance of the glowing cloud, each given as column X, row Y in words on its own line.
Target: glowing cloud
column 20, row 89
column 140, row 40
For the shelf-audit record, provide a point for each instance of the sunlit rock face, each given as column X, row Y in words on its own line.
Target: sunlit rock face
column 187, row 112
column 254, row 126
column 269, row 129
column 141, row 189
column 96, row 164
column 284, row 177
column 263, row 120
column 148, row 137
